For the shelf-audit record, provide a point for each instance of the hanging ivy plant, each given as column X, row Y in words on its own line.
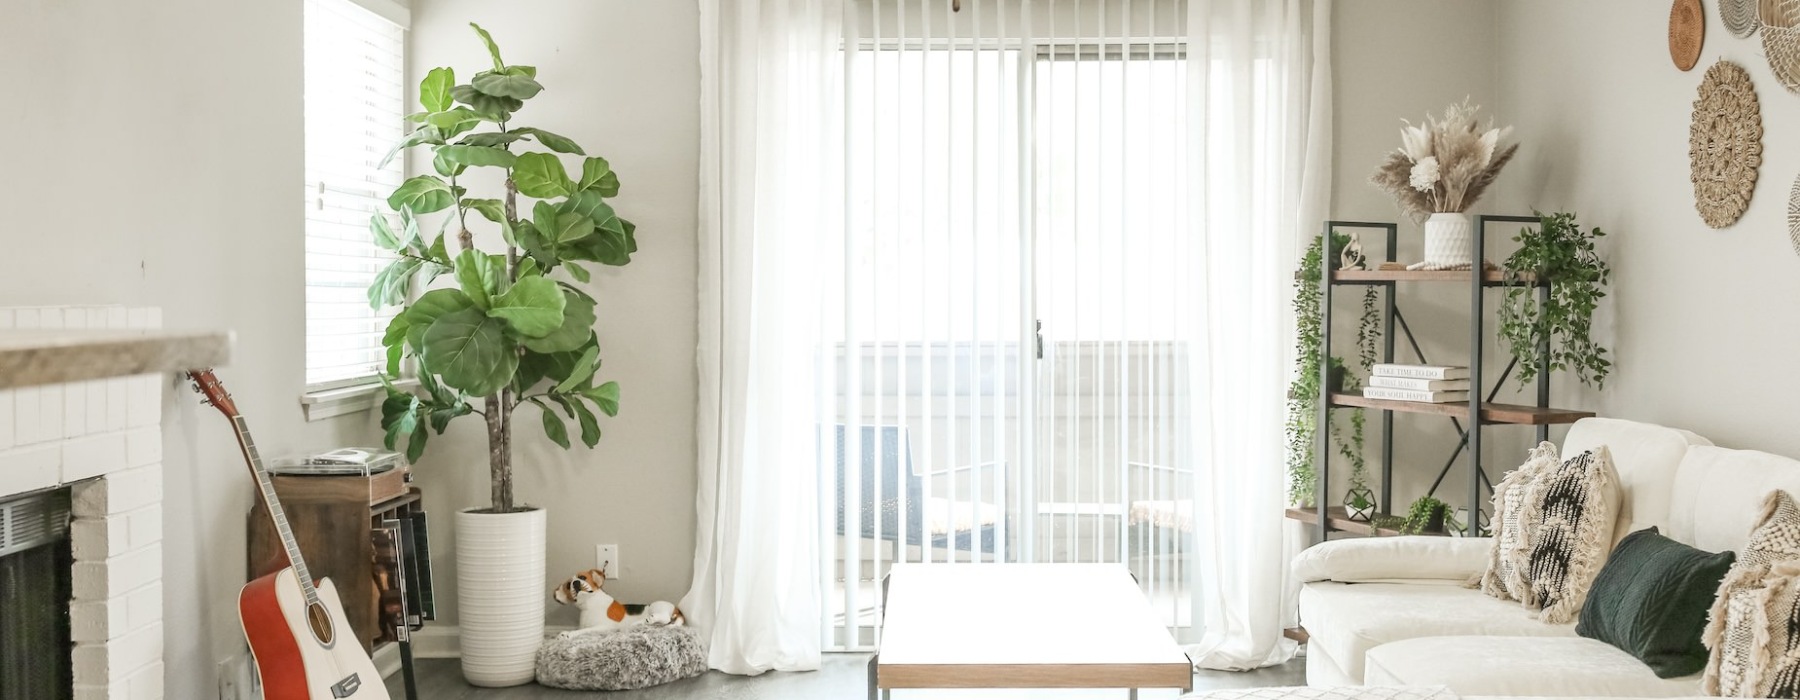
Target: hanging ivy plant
column 1304, row 390
column 1562, row 326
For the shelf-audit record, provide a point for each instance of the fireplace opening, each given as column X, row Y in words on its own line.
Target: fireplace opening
column 36, row 567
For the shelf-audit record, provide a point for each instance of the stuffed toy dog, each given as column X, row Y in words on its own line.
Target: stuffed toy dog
column 601, row 614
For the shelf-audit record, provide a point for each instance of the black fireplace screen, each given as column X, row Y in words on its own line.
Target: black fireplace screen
column 35, row 566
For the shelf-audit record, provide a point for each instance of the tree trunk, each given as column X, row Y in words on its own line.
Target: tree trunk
column 500, row 453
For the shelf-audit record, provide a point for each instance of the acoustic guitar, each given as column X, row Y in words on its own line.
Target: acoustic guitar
column 303, row 648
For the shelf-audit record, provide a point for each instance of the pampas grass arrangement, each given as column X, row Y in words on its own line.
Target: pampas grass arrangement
column 1444, row 164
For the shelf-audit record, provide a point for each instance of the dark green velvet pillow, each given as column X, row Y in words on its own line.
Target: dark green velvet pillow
column 1651, row 600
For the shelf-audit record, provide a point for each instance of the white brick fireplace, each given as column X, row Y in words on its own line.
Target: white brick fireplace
column 103, row 440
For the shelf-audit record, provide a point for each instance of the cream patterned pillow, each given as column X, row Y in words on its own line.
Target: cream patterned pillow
column 1570, row 512
column 1504, row 578
column 1752, row 640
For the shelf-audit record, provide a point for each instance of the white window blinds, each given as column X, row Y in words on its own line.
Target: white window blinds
column 355, row 102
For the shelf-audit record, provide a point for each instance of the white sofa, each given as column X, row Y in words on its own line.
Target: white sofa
column 1395, row 611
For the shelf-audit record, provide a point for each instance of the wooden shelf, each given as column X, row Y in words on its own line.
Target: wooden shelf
column 1338, row 519
column 1511, row 414
column 1492, row 278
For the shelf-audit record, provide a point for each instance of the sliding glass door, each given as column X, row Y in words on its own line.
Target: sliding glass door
column 1009, row 374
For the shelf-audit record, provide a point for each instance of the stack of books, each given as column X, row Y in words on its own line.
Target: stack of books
column 1422, row 383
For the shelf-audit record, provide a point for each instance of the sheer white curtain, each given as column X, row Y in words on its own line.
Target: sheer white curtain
column 1259, row 106
column 770, row 154
column 893, row 195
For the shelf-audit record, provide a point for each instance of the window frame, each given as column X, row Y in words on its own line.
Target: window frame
column 345, row 395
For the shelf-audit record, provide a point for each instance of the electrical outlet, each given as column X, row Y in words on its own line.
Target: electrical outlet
column 606, row 558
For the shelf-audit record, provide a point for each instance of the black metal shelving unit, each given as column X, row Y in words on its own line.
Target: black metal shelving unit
column 1480, row 411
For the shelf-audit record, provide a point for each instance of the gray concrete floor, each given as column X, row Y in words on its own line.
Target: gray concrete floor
column 843, row 677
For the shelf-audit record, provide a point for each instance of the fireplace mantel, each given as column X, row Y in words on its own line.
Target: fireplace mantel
column 36, row 357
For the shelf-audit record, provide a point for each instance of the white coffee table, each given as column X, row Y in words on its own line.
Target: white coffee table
column 1022, row 626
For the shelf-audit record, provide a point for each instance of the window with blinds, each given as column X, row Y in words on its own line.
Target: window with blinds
column 355, row 109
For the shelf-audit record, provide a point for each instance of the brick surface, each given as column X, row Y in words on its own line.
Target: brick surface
column 121, row 491
column 91, row 456
column 29, row 468
column 99, row 580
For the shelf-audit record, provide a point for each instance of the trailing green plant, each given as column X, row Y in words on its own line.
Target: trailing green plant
column 514, row 328
column 1304, row 389
column 1561, row 327
column 1418, row 515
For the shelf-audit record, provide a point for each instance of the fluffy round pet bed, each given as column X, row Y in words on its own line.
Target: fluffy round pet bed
column 627, row 660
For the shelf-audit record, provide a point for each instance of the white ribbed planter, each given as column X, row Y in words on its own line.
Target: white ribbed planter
column 500, row 595
column 1449, row 241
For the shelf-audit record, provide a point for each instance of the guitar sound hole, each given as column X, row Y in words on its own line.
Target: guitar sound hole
column 320, row 622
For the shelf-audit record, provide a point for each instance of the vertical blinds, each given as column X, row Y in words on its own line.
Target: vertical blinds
column 355, row 109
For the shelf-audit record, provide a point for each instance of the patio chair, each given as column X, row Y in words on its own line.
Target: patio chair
column 947, row 523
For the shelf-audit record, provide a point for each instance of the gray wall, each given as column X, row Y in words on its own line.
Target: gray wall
column 155, row 159
column 1703, row 321
column 622, row 78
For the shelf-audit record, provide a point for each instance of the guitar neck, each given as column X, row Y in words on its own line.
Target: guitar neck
column 266, row 489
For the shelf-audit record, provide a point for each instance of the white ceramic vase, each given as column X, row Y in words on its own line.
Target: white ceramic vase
column 500, row 595
column 1449, row 241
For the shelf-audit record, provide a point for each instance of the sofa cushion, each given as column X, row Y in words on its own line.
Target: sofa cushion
column 1573, row 510
column 1651, row 600
column 1521, row 666
column 1427, row 559
column 1720, row 492
column 1647, row 457
column 1349, row 619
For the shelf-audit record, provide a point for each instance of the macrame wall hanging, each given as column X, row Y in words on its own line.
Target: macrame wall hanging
column 1724, row 144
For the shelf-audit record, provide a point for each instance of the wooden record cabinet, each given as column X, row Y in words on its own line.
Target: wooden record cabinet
column 366, row 534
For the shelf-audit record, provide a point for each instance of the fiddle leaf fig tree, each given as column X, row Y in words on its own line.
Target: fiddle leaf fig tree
column 513, row 328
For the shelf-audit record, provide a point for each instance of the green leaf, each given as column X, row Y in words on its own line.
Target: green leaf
column 612, row 246
column 590, row 426
column 606, row 396
column 383, row 233
column 409, row 228
column 560, row 228
column 477, row 155
column 488, row 40
column 434, row 90
column 507, row 82
column 560, row 144
column 415, row 448
column 424, row 134
column 583, row 370
column 594, row 171
column 395, row 342
column 399, row 416
column 590, row 205
column 479, row 276
column 450, row 120
column 470, row 351
column 428, row 308
column 490, row 209
column 540, row 175
column 437, row 252
column 576, row 330
column 391, row 284
column 444, row 167
column 441, row 417
column 533, row 307
column 576, row 271
column 491, row 138
column 425, row 194
column 534, row 367
column 554, row 428
column 490, row 107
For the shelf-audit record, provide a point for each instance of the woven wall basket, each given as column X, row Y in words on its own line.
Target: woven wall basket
column 1794, row 215
column 1687, row 32
column 1739, row 17
column 1781, row 39
column 1724, row 144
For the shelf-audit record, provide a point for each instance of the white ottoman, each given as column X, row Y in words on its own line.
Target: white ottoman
column 1521, row 666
